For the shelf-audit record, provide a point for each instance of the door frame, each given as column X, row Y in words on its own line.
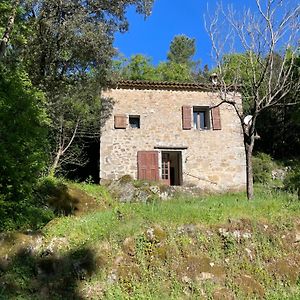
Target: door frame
column 178, row 181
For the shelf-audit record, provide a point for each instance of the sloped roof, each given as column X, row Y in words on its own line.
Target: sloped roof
column 162, row 85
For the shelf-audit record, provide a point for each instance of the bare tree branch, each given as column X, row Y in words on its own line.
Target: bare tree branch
column 270, row 41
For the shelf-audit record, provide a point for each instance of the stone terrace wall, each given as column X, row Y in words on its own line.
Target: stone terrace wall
column 214, row 159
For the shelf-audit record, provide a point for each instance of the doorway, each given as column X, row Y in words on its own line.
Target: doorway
column 171, row 167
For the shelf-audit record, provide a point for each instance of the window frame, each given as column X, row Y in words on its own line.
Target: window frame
column 134, row 117
column 204, row 110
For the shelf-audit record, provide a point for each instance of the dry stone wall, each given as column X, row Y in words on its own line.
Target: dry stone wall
column 211, row 159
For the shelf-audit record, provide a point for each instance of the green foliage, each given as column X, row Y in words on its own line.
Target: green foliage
column 292, row 180
column 210, row 210
column 67, row 49
column 179, row 68
column 262, row 168
column 102, row 256
column 182, row 49
column 139, row 67
column 174, row 72
column 23, row 132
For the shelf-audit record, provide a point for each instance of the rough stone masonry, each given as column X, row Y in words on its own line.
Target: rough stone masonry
column 150, row 117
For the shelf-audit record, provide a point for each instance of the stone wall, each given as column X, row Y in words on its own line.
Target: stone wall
column 211, row 159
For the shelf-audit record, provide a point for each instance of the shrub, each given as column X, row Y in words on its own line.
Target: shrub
column 292, row 180
column 23, row 146
column 262, row 168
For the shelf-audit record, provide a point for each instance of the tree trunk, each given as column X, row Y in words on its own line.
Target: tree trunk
column 9, row 28
column 249, row 144
column 54, row 166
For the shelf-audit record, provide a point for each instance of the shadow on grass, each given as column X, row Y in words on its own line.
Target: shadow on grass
column 46, row 276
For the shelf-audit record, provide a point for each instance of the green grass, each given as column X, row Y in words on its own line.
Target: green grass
column 128, row 219
column 157, row 268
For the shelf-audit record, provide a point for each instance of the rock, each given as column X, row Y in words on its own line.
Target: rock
column 205, row 276
column 55, row 245
column 249, row 253
column 297, row 237
column 189, row 229
column 236, row 234
column 154, row 189
column 112, row 277
column 129, row 246
column 155, row 234
column 279, row 174
column 127, row 190
column 186, row 279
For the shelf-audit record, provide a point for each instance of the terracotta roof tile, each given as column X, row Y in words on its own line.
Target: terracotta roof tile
column 157, row 85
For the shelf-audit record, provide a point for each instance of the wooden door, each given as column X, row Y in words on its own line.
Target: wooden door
column 148, row 165
column 165, row 168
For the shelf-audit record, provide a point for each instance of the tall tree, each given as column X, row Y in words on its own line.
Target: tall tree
column 68, row 55
column 23, row 124
column 182, row 50
column 9, row 21
column 273, row 29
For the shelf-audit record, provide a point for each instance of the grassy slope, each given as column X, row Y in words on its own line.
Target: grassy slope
column 198, row 248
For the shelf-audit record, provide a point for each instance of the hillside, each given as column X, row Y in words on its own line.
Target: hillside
column 209, row 247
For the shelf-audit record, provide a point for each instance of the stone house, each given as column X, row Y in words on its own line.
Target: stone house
column 172, row 133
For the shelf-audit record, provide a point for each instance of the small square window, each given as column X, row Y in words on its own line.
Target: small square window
column 201, row 118
column 134, row 121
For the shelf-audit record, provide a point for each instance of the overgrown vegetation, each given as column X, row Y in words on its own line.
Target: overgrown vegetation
column 23, row 129
column 191, row 248
column 292, row 180
column 263, row 165
column 179, row 66
column 55, row 58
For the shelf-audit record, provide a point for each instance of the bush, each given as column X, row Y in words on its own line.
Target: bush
column 292, row 180
column 262, row 168
column 23, row 146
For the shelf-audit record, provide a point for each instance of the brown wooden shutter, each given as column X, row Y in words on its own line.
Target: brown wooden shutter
column 120, row 121
column 216, row 118
column 148, row 165
column 186, row 117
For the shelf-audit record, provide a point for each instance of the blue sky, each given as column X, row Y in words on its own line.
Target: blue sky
column 152, row 36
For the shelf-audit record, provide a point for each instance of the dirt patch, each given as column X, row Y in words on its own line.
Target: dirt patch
column 126, row 269
column 223, row 294
column 250, row 287
column 129, row 246
column 285, row 270
column 199, row 268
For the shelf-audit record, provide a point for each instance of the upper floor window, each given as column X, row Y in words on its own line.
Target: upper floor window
column 123, row 121
column 201, row 118
column 134, row 122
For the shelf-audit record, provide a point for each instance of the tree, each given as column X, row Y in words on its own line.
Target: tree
column 6, row 6
column 180, row 60
column 272, row 31
column 172, row 71
column 139, row 67
column 68, row 54
column 23, row 129
column 279, row 127
column 182, row 49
